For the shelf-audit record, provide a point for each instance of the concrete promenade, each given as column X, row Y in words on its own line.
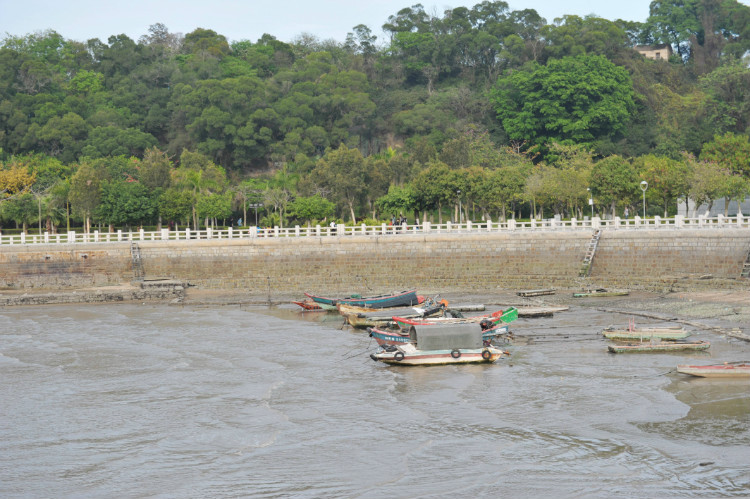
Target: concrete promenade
column 479, row 261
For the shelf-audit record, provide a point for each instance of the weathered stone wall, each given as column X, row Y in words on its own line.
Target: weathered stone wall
column 432, row 263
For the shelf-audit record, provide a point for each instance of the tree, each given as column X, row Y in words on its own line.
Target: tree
column 342, row 173
column 85, row 192
column 707, row 181
column 310, row 209
column 201, row 176
column 730, row 151
column 434, row 187
column 578, row 99
column 668, row 179
column 22, row 209
column 213, row 207
column 125, row 203
column 614, row 181
column 176, row 205
column 397, row 200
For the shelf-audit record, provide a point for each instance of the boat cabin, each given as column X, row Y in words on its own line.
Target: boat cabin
column 446, row 336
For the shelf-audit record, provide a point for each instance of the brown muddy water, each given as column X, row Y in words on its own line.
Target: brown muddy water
column 165, row 401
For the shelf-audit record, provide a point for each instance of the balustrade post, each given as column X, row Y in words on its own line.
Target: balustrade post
column 739, row 220
column 71, row 236
column 426, row 226
column 165, row 234
column 657, row 221
column 23, row 238
column 296, row 230
column 383, row 228
column 340, row 228
column 46, row 236
column 679, row 221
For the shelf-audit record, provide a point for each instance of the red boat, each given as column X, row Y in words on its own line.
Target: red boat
column 309, row 305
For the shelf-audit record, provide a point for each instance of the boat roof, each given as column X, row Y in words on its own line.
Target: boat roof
column 446, row 336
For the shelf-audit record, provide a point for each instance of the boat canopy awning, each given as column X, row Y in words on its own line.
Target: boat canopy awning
column 446, row 336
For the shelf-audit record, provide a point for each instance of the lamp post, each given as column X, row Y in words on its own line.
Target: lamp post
column 591, row 202
column 644, row 186
column 460, row 211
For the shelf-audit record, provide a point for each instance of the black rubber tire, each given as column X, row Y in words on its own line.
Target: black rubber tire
column 399, row 356
column 486, row 354
column 456, row 353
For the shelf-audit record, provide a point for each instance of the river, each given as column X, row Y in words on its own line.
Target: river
column 167, row 401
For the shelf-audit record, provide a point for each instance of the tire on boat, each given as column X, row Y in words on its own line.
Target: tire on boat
column 456, row 353
column 399, row 356
column 486, row 354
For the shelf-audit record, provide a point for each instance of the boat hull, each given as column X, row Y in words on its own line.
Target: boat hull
column 717, row 371
column 645, row 334
column 671, row 346
column 485, row 355
column 505, row 316
column 400, row 299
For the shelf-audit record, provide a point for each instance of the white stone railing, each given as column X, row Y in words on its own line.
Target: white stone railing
column 636, row 223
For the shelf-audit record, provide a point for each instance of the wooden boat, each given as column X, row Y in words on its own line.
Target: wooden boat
column 400, row 337
column 665, row 346
column 536, row 292
column 506, row 316
column 600, row 292
column 384, row 317
column 396, row 299
column 632, row 333
column 540, row 311
column 726, row 370
column 310, row 306
column 440, row 344
column 409, row 355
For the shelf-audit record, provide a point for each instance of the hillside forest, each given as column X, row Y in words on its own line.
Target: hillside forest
column 499, row 113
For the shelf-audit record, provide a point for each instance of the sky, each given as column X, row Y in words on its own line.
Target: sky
column 82, row 20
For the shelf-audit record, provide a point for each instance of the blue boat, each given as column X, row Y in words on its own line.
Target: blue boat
column 398, row 299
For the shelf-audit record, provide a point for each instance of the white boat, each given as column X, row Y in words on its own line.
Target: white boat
column 408, row 355
column 728, row 370
column 440, row 344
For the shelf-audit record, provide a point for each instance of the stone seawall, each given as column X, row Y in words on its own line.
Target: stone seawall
column 432, row 263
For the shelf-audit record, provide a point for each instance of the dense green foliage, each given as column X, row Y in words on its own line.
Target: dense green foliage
column 492, row 110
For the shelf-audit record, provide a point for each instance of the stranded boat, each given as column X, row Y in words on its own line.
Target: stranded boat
column 726, row 370
column 507, row 315
column 440, row 344
column 401, row 337
column 665, row 346
column 645, row 333
column 396, row 299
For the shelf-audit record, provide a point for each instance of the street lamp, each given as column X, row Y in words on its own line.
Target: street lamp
column 591, row 202
column 460, row 211
column 644, row 186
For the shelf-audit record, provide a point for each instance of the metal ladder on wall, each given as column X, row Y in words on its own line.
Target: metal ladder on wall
column 746, row 268
column 590, row 252
column 135, row 253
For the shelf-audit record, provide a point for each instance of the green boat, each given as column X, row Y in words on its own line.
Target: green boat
column 668, row 346
column 645, row 333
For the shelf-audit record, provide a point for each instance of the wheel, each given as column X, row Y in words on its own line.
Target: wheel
column 398, row 356
column 486, row 354
column 456, row 353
